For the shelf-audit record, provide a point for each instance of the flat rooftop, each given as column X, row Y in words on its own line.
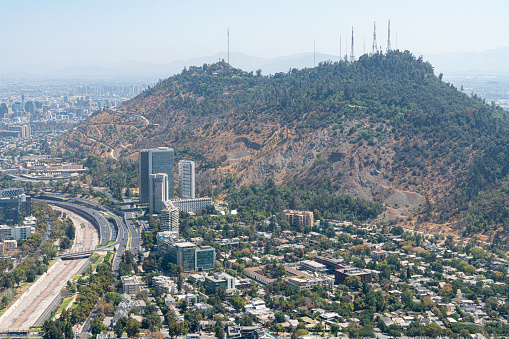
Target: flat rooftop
column 184, row 244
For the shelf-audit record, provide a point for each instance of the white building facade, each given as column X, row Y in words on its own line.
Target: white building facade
column 186, row 179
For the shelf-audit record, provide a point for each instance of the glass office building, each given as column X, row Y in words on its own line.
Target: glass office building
column 186, row 254
column 10, row 209
column 153, row 161
column 205, row 257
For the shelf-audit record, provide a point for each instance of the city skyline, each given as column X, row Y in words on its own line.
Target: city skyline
column 77, row 33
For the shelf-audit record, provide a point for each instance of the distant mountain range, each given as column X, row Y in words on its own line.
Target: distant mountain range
column 489, row 62
column 492, row 61
column 129, row 69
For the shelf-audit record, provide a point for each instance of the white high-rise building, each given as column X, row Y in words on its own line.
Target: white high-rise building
column 158, row 192
column 170, row 218
column 186, row 179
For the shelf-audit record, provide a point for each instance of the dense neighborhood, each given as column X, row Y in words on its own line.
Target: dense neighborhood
column 336, row 279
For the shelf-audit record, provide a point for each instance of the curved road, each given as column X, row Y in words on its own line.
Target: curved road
column 122, row 220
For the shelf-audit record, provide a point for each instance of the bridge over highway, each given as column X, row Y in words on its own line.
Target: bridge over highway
column 81, row 254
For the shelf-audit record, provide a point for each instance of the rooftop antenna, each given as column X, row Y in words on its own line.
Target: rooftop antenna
column 375, row 47
column 389, row 37
column 314, row 53
column 228, row 35
column 352, row 55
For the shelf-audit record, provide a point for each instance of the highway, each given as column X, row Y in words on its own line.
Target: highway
column 128, row 216
column 122, row 221
column 96, row 218
column 135, row 234
column 122, row 240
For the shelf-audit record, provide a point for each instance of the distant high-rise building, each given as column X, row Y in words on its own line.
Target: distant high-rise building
column 153, row 161
column 158, row 192
column 186, row 179
column 3, row 109
column 30, row 107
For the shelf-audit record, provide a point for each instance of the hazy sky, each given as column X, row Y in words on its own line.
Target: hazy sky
column 104, row 31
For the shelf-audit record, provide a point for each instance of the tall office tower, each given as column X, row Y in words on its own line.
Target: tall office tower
column 3, row 109
column 186, row 179
column 153, row 161
column 25, row 131
column 30, row 107
column 158, row 192
column 170, row 218
column 12, row 206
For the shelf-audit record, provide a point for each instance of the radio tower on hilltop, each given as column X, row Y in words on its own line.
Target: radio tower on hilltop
column 352, row 55
column 340, row 49
column 375, row 47
column 228, row 36
column 389, row 37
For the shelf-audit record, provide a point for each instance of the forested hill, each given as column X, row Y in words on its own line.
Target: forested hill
column 382, row 128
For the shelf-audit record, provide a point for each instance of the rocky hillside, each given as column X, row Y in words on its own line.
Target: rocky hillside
column 383, row 128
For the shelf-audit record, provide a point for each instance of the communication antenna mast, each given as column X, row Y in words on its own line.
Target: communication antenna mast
column 352, row 55
column 396, row 39
column 228, row 35
column 364, row 46
column 314, row 53
column 375, row 47
column 340, row 49
column 389, row 37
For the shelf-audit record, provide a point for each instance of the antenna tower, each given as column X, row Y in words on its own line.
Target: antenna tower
column 340, row 49
column 352, row 55
column 375, row 47
column 364, row 46
column 389, row 37
column 228, row 35
column 314, row 53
